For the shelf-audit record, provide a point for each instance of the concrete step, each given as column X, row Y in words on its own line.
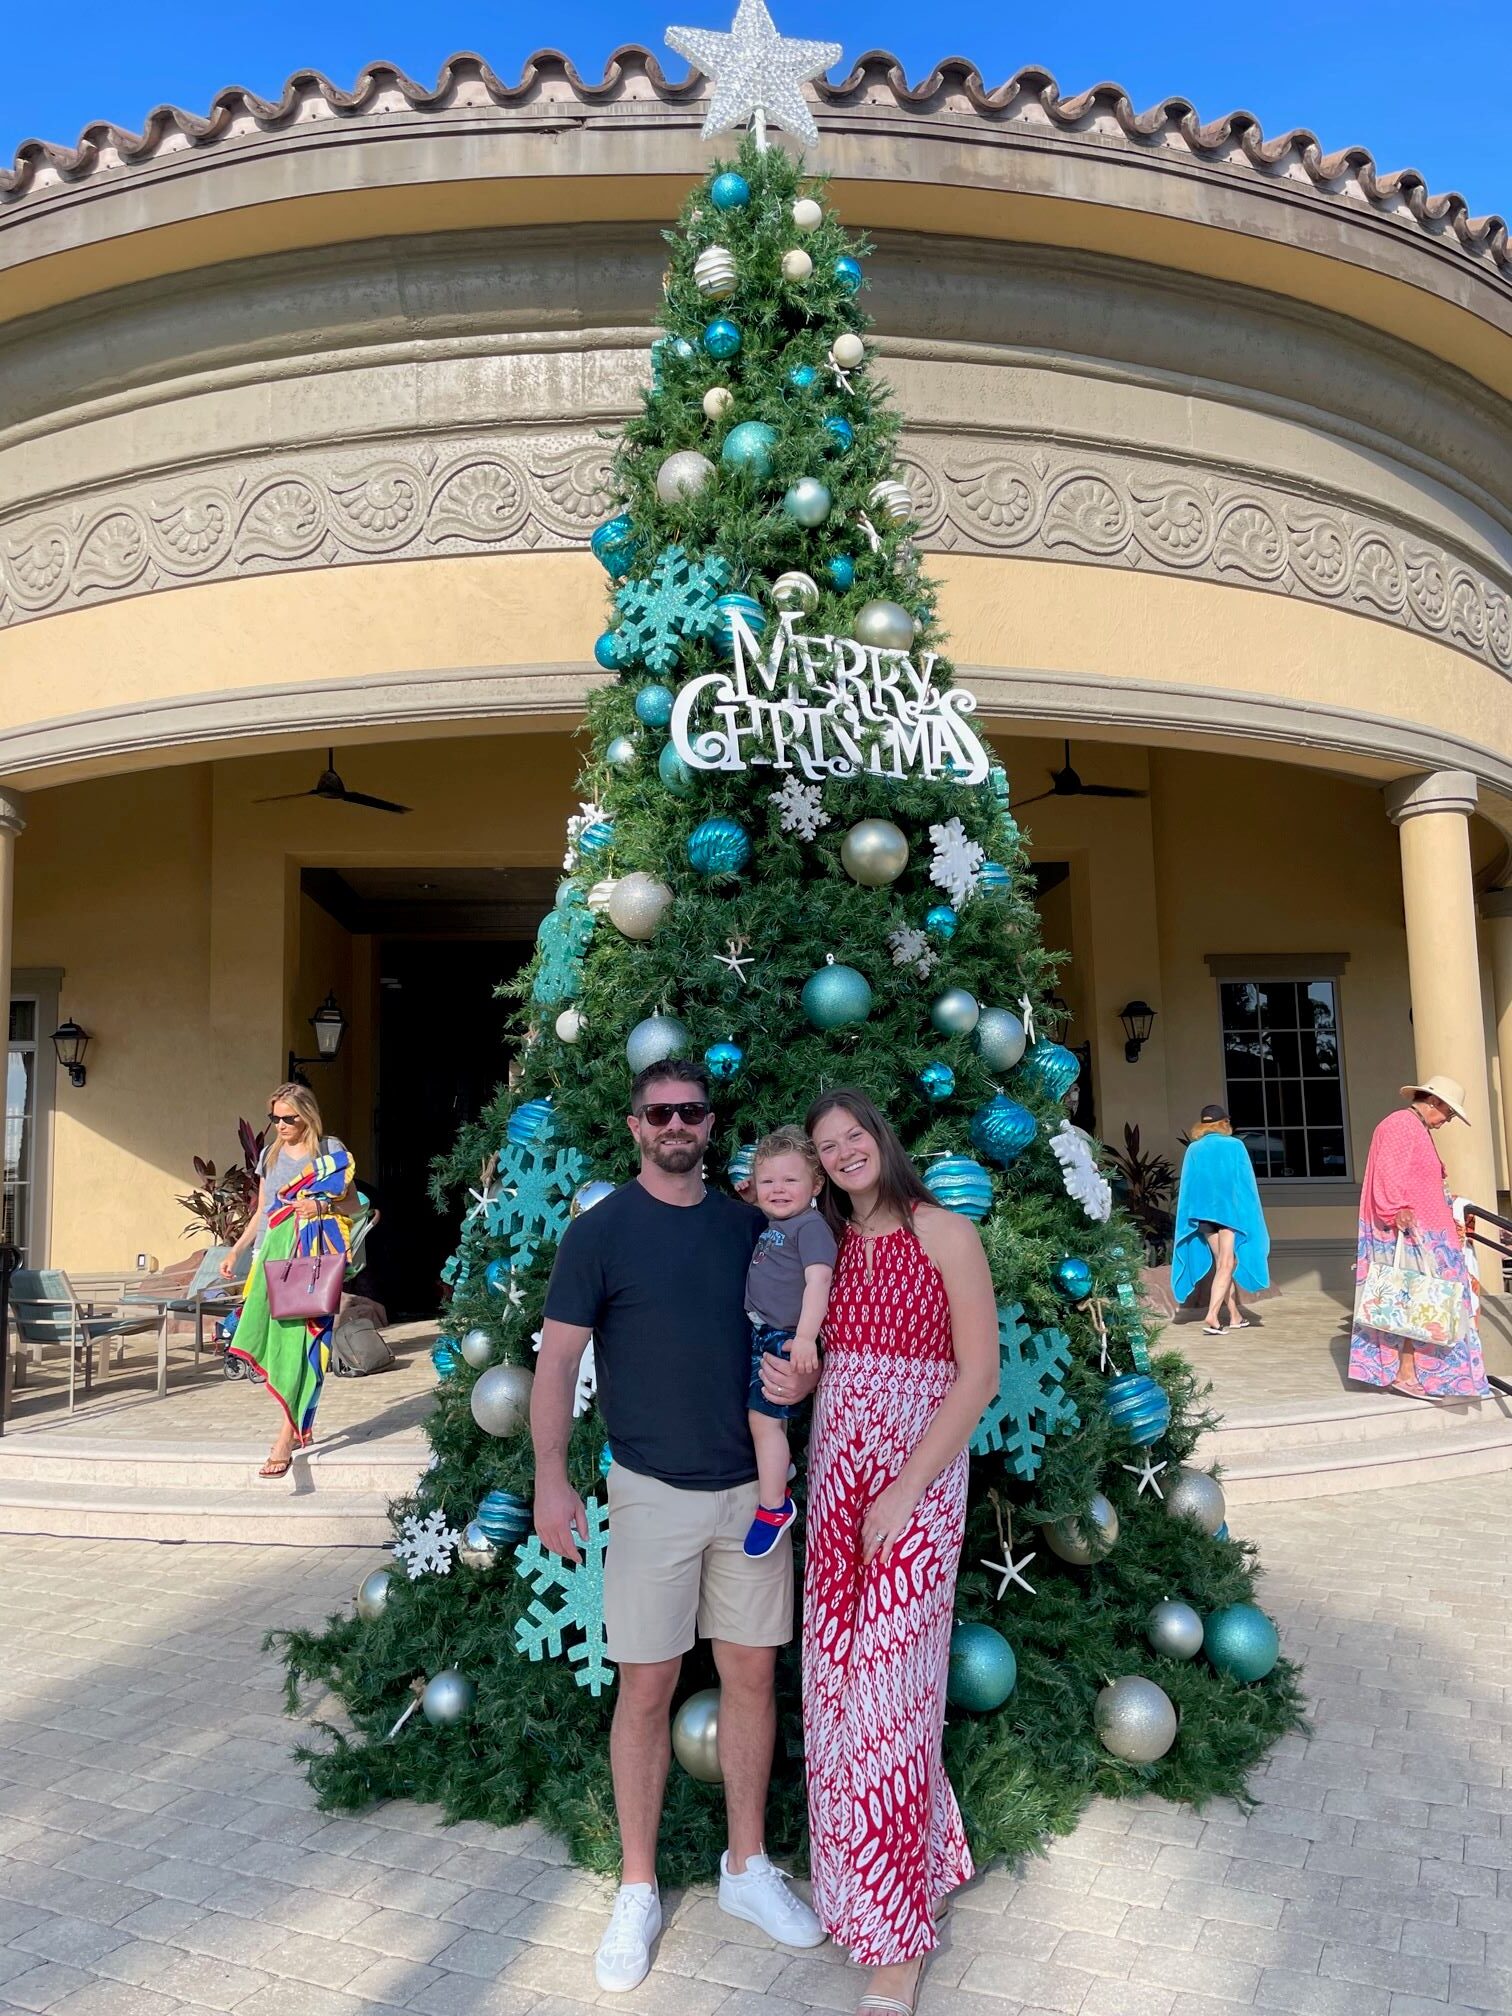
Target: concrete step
column 1262, row 1465
column 272, row 1516
column 341, row 1468
column 1275, row 1427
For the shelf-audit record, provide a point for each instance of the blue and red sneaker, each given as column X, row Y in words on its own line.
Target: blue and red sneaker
column 768, row 1527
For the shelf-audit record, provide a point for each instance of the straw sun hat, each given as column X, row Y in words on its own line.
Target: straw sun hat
column 1448, row 1090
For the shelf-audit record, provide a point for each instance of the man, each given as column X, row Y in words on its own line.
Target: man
column 656, row 1275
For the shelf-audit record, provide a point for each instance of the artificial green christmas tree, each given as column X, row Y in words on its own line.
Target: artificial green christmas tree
column 795, row 861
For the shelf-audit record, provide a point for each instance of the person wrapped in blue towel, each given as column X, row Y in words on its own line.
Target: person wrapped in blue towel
column 1219, row 1223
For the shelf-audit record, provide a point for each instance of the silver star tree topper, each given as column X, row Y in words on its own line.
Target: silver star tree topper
column 756, row 73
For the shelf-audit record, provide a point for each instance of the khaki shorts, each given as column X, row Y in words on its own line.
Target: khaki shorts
column 676, row 1570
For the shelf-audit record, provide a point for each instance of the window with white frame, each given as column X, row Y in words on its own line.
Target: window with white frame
column 1283, row 1076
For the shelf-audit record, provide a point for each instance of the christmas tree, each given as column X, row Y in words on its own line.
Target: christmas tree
column 795, row 860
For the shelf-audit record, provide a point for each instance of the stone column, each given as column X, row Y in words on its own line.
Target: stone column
column 1496, row 909
column 12, row 823
column 1432, row 817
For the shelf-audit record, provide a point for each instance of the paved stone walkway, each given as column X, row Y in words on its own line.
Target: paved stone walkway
column 159, row 1851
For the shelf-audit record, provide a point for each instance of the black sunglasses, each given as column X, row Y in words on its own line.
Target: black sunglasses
column 689, row 1111
column 286, row 1119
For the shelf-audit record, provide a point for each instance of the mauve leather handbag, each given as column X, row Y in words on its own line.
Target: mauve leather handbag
column 307, row 1287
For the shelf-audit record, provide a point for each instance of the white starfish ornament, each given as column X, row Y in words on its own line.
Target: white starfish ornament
column 1010, row 1571
column 736, row 958
column 1148, row 1475
column 756, row 73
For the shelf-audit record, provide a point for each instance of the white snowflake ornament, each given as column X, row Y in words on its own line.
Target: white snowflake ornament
column 1083, row 1179
column 910, row 947
column 800, row 809
column 957, row 861
column 587, row 1379
column 426, row 1546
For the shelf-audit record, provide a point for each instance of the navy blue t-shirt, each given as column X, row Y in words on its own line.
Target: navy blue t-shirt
column 662, row 1287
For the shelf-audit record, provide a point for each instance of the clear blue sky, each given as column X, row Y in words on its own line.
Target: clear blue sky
column 1420, row 86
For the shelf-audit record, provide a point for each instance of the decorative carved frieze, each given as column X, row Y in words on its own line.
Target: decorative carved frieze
column 517, row 492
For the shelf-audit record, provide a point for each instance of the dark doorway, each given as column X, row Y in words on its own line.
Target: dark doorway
column 442, row 1050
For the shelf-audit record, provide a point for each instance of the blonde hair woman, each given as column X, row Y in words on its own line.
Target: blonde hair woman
column 306, row 1175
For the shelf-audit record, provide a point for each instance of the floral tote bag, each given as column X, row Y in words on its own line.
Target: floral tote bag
column 1409, row 1302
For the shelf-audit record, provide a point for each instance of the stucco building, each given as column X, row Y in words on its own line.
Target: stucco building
column 303, row 417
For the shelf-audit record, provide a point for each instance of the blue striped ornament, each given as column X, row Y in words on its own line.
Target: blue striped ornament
column 719, row 847
column 613, row 546
column 725, row 610
column 742, row 1165
column 1002, row 1130
column 992, row 878
column 1052, row 1069
column 960, row 1185
column 531, row 1122
column 1138, row 1406
column 505, row 1518
column 444, row 1357
column 597, row 838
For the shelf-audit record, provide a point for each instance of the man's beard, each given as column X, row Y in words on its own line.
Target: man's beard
column 675, row 1157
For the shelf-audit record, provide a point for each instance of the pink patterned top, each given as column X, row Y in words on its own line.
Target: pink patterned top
column 1403, row 1172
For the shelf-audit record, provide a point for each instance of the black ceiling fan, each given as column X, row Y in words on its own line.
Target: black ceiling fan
column 330, row 786
column 1066, row 783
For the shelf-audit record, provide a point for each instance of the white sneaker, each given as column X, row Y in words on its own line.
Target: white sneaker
column 761, row 1897
column 624, row 1956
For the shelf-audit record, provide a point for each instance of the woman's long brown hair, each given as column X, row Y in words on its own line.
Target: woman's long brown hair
column 901, row 1186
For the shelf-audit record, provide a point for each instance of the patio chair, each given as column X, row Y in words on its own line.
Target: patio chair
column 204, row 1294
column 48, row 1314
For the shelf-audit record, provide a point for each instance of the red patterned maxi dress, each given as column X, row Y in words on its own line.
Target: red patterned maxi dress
column 886, row 1835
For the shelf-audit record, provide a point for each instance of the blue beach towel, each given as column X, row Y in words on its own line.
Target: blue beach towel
column 1218, row 1185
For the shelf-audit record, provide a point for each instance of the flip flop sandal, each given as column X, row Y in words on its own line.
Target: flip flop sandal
column 889, row 2005
column 277, row 1466
column 1212, row 1329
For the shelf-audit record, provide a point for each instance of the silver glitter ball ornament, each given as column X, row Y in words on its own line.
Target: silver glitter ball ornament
column 1085, row 1538
column 874, row 852
column 449, row 1698
column 1196, row 1497
column 1000, row 1038
column 501, row 1399
column 1174, row 1630
column 477, row 1348
column 653, row 1039
column 808, row 502
column 475, row 1549
column 1135, row 1720
column 796, row 591
column 848, row 351
column 955, row 1012
column 592, row 1192
column 682, row 475
column 695, row 1737
column 638, row 905
column 715, row 274
column 887, row 625
column 891, row 499
column 372, row 1594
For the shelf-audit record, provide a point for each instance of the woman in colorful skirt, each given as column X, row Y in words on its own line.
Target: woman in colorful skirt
column 911, row 1359
column 301, row 1206
column 1404, row 1193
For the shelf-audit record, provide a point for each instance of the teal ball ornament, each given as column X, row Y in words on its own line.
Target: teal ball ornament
column 723, row 1061
column 676, row 775
column 497, row 1276
column 569, row 896
column 444, row 1357
column 1135, row 1719
column 983, row 1671
column 449, row 1698
column 942, row 923
column 1241, row 1643
column 1223, row 1532
column 937, row 1080
column 531, row 1121
column 372, row 1594
column 477, row 1349
column 729, row 191
column 606, row 1460
column 607, row 652
column 837, row 996
column 1196, row 1497
column 848, row 274
column 1174, row 1630
column 1073, row 1277
column 1137, row 1404
column 1052, row 1069
column 741, row 1166
column 749, row 446
column 808, row 502
column 955, row 1012
column 726, row 609
column 992, row 879
column 722, row 337
column 841, row 431
column 505, row 1518
column 719, row 847
column 960, row 1185
column 803, row 377
column 874, row 852
column 999, row 1036
column 613, row 546
column 653, row 706
column 1002, row 1130
column 653, row 1040
column 841, row 570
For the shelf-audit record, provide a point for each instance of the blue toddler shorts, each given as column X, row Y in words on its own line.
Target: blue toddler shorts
column 767, row 1337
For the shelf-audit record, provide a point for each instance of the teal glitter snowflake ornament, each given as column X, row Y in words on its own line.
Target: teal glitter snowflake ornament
column 1031, row 1403
column 560, row 944
column 675, row 601
column 534, row 1198
column 581, row 1610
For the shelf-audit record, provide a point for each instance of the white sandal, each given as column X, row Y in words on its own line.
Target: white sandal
column 889, row 2005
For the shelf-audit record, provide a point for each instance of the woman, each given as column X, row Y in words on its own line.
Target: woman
column 306, row 1176
column 911, row 1359
column 1404, row 1192
column 1219, row 1223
